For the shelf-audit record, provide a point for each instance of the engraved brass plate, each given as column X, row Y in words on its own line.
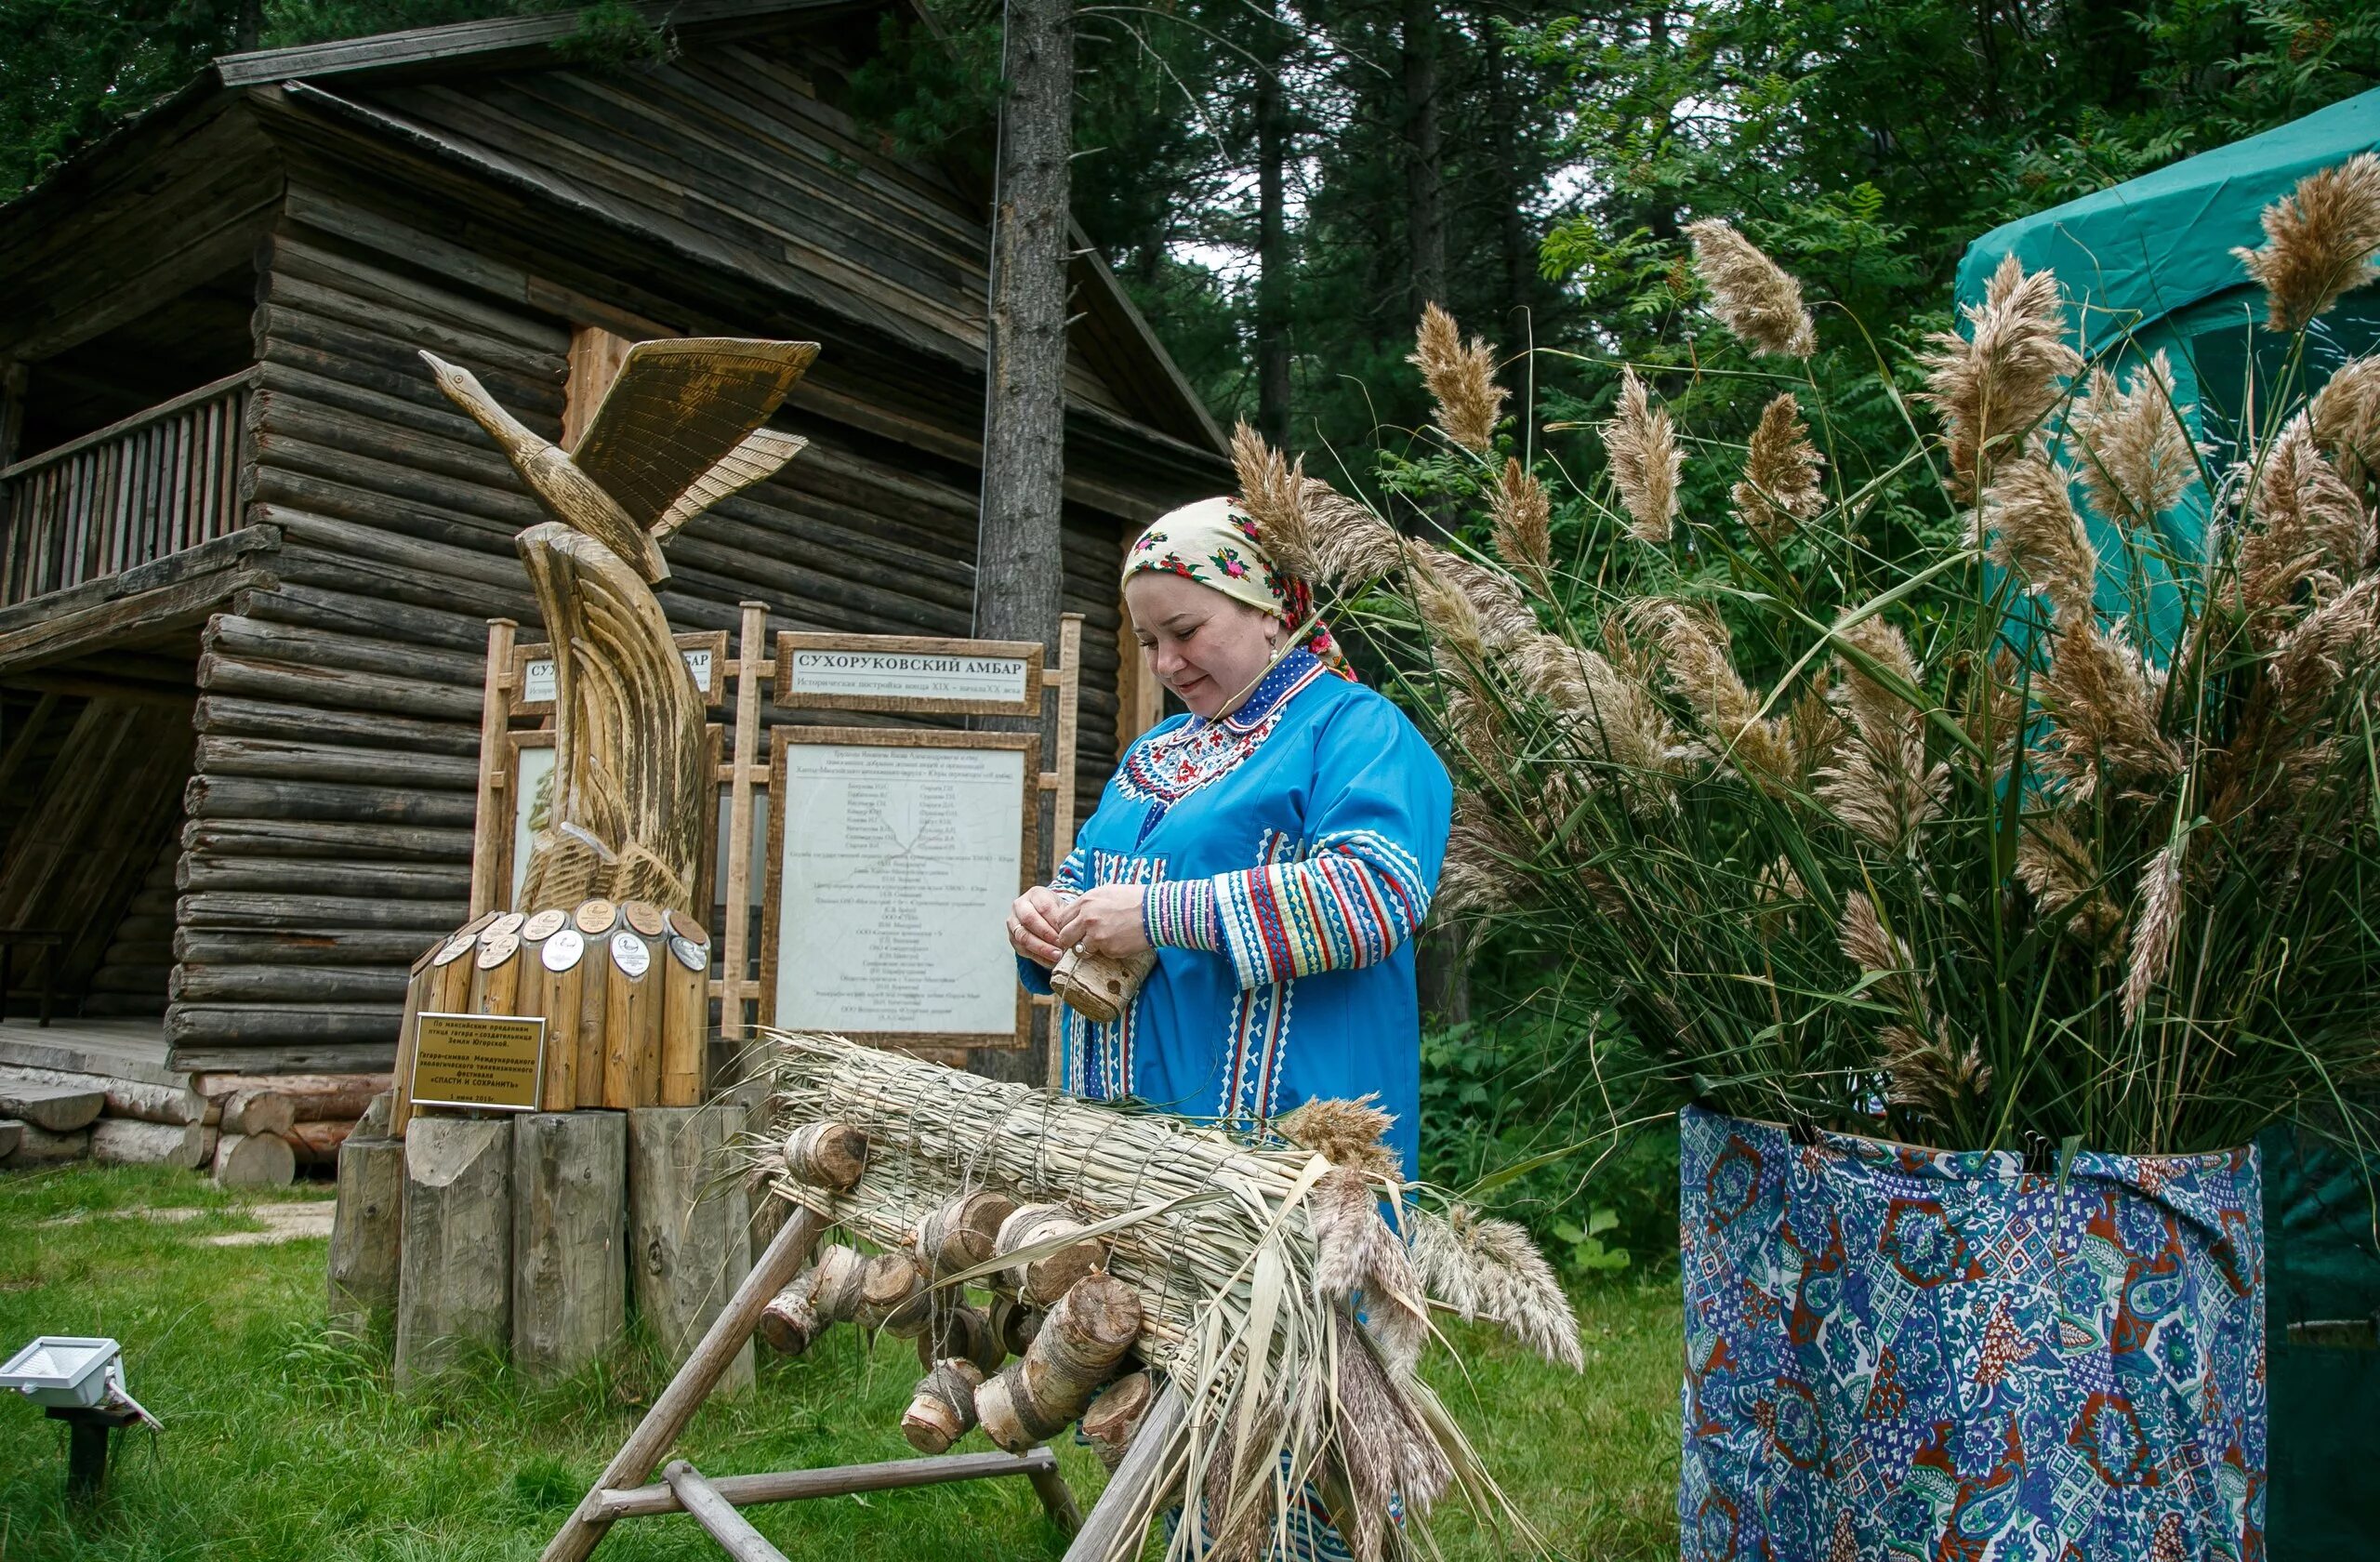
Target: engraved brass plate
column 492, row 1062
column 596, row 917
column 543, row 925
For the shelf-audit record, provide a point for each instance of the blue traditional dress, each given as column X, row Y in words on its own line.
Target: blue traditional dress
column 1290, row 849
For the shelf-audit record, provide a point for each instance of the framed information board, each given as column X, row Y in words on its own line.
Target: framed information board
column 909, row 674
column 893, row 857
column 532, row 673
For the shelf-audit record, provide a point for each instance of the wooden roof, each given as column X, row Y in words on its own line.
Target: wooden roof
column 382, row 97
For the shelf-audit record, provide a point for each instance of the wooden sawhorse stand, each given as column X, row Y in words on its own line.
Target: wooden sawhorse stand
column 618, row 1494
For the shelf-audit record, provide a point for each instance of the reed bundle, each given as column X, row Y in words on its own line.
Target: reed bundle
column 1242, row 1264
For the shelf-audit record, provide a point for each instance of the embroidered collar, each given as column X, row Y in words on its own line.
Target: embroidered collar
column 1294, row 672
column 1168, row 768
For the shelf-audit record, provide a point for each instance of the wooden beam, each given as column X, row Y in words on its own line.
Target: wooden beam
column 718, row 1516
column 21, row 747
column 727, row 1335
column 794, row 1486
column 1137, row 1490
column 141, row 614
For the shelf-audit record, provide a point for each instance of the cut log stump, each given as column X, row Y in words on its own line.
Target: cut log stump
column 569, row 1240
column 689, row 1227
column 454, row 1268
column 253, row 1160
column 12, row 1134
column 129, row 1142
column 258, row 1111
column 38, row 1147
column 366, row 1233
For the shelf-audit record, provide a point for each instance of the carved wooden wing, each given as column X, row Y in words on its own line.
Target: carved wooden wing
column 678, row 409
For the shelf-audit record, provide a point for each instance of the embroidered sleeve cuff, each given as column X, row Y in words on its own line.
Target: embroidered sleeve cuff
column 1180, row 914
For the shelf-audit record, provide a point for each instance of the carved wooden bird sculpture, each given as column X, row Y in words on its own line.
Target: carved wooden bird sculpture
column 680, row 430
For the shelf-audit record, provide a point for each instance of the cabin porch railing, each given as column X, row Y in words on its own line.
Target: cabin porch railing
column 154, row 484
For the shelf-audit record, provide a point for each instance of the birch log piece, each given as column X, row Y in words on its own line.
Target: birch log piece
column 124, row 1098
column 961, row 1234
column 1042, row 1280
column 821, row 1296
column 1013, row 1325
column 38, row 1147
column 961, row 1330
column 455, row 1259
column 253, row 1160
column 129, row 1142
column 943, row 1409
column 1100, row 987
column 367, row 1234
column 569, row 1240
column 827, row 1154
column 1086, row 1335
column 57, row 1108
column 891, row 1282
column 1117, row 1414
column 689, row 1227
column 258, row 1111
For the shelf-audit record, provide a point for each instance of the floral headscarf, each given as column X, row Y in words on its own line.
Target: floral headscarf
column 1214, row 542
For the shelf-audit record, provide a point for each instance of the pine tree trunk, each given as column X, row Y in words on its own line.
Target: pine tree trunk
column 1512, row 249
column 1272, row 238
column 1424, row 184
column 1018, row 537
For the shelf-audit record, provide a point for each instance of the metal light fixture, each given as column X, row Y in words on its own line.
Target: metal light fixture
column 78, row 1380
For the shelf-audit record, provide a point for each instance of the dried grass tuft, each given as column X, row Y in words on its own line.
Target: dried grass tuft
column 2062, row 872
column 2037, row 534
column 2102, row 704
column 1938, row 1080
column 1878, row 953
column 1880, row 784
column 1343, row 1133
column 2307, row 529
column 1752, row 295
column 2136, row 458
column 2154, row 929
column 1462, row 380
column 1697, row 657
column 2319, row 242
column 1476, row 875
column 1488, row 1269
column 1273, row 492
column 1524, row 520
column 1780, row 483
column 1645, row 461
column 1994, row 384
column 2345, row 416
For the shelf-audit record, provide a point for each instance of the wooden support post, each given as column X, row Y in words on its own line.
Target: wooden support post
column 753, row 663
column 496, row 754
column 570, row 1301
column 689, row 1226
column 727, row 1340
column 367, row 1234
column 686, row 1019
column 1136, row 1490
column 1062, row 834
column 454, row 1268
column 718, row 1516
column 555, row 997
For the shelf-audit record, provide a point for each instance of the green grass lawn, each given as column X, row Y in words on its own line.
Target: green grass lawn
column 284, row 1443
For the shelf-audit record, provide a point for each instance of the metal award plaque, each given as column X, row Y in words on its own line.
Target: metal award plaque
column 489, row 1062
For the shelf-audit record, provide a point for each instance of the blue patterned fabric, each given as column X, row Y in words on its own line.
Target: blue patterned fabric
column 1897, row 1353
column 1291, row 849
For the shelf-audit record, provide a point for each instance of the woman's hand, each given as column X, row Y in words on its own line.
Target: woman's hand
column 1033, row 924
column 1106, row 921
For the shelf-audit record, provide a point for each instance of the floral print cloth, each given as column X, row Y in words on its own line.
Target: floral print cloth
column 1899, row 1353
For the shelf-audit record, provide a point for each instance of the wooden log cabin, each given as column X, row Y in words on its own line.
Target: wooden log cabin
column 251, row 550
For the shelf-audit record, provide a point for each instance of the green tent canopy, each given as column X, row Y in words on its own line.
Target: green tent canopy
column 2147, row 266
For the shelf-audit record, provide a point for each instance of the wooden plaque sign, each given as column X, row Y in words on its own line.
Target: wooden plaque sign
column 490, row 1062
column 893, row 855
column 906, row 673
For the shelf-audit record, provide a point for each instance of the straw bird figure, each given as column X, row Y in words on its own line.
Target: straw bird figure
column 681, row 428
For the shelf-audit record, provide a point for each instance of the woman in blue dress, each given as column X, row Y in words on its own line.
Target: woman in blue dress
column 1278, row 846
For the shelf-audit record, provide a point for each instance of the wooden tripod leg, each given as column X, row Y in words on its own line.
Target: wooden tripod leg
column 1132, row 1494
column 653, row 1434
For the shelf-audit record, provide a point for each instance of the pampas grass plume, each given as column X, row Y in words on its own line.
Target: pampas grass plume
column 1343, row 1133
column 1487, row 1268
column 2319, row 242
column 1462, row 380
column 2137, row 455
column 1524, row 519
column 1752, row 295
column 1646, row 460
column 1697, row 656
column 2036, row 532
column 2308, row 525
column 1780, row 481
column 2154, row 930
column 1992, row 385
